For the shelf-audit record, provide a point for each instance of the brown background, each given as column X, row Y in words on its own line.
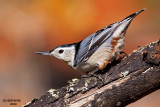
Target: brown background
column 27, row 26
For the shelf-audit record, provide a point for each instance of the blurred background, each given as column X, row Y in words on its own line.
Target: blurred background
column 28, row 26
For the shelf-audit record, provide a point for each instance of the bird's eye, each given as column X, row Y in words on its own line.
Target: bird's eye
column 61, row 51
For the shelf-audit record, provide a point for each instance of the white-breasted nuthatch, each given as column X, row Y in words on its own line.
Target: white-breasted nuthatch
column 97, row 50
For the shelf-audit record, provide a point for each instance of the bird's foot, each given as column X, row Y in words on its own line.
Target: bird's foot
column 90, row 74
column 122, row 55
column 96, row 75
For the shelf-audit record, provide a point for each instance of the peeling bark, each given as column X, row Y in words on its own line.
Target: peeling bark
column 122, row 82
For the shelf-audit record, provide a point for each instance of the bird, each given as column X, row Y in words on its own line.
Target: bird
column 96, row 51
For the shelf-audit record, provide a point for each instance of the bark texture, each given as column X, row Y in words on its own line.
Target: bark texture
column 122, row 82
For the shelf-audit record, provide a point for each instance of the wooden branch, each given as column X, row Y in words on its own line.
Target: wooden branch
column 122, row 82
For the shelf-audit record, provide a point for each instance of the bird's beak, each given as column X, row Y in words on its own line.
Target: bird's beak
column 44, row 53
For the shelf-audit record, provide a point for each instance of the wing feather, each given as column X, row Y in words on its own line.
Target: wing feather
column 89, row 45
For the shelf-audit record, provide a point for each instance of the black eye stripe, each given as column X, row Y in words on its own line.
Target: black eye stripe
column 61, row 51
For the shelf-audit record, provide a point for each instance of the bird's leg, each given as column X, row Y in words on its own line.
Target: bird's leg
column 122, row 52
column 102, row 65
column 89, row 74
column 122, row 56
column 92, row 74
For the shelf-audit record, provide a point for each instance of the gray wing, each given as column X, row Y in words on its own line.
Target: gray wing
column 89, row 45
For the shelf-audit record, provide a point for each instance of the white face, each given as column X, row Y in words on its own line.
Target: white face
column 64, row 53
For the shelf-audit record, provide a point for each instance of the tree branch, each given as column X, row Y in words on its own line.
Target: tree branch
column 122, row 82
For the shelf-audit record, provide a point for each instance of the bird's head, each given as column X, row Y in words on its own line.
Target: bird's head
column 63, row 52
